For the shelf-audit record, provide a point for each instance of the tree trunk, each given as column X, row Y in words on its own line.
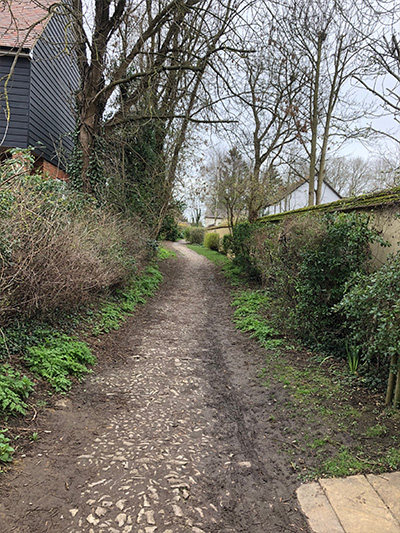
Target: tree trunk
column 314, row 123
column 253, row 203
column 396, row 401
column 392, row 379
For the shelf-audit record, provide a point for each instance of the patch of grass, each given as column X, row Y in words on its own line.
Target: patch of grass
column 344, row 463
column 233, row 273
column 113, row 313
column 376, row 431
column 320, row 397
column 212, row 255
column 249, row 317
column 318, row 443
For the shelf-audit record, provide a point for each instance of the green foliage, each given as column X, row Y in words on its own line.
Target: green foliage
column 212, row 255
column 211, row 241
column 95, row 173
column 58, row 357
column 344, row 463
column 164, row 253
column 34, row 437
column 226, row 246
column 195, row 235
column 113, row 313
column 249, row 316
column 241, row 246
column 306, row 263
column 353, row 356
column 14, row 389
column 371, row 307
column 325, row 269
column 169, row 229
column 6, row 451
column 376, row 431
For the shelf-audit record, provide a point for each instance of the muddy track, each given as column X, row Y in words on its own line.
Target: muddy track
column 173, row 433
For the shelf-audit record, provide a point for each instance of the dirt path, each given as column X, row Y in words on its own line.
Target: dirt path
column 172, row 435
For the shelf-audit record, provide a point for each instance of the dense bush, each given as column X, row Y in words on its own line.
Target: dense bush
column 327, row 264
column 242, row 246
column 371, row 307
column 211, row 240
column 306, row 263
column 57, row 249
column 170, row 230
column 195, row 235
column 226, row 245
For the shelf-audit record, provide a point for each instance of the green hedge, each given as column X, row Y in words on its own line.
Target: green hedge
column 211, row 241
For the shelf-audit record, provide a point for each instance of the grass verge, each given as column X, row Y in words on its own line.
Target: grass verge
column 332, row 425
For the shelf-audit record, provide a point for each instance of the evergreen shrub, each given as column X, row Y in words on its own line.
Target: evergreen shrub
column 306, row 262
column 371, row 307
column 194, row 235
column 211, row 241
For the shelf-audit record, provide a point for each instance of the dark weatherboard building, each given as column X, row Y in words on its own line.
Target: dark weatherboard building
column 38, row 78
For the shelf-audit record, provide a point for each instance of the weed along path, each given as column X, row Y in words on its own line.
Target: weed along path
column 172, row 433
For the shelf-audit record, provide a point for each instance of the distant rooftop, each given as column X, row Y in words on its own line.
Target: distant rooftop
column 22, row 22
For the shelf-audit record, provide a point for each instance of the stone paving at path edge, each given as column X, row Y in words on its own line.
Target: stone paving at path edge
column 357, row 504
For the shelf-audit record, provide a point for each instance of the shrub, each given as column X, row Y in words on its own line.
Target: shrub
column 57, row 250
column 226, row 246
column 211, row 241
column 242, row 248
column 327, row 264
column 306, row 262
column 194, row 235
column 371, row 307
column 170, row 230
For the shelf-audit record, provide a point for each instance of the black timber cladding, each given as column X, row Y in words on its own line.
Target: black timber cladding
column 14, row 101
column 54, row 80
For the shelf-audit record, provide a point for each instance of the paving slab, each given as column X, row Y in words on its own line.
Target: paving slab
column 388, row 488
column 319, row 513
column 357, row 504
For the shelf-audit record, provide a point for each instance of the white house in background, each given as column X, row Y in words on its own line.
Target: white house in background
column 295, row 196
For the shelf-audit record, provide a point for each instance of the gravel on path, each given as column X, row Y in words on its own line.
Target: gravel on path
column 172, row 434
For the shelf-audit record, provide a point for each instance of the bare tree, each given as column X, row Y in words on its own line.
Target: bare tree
column 229, row 183
column 325, row 47
column 350, row 176
column 266, row 90
column 158, row 49
column 381, row 73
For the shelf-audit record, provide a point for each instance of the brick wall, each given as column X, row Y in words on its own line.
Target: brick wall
column 53, row 171
column 41, row 165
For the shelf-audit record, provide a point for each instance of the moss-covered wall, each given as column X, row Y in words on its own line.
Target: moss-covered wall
column 384, row 207
column 220, row 230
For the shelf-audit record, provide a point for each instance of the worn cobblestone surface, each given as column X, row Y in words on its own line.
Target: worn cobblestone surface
column 167, row 439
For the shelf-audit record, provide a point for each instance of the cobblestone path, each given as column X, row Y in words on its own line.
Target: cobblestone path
column 170, row 437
